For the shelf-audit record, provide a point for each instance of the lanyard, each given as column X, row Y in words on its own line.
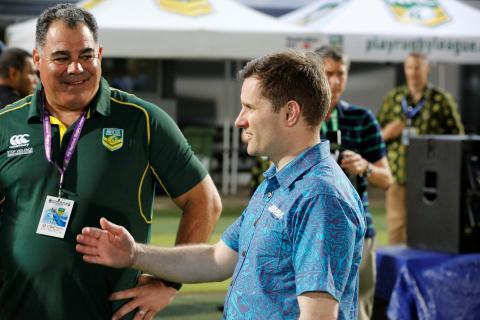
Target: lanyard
column 412, row 111
column 333, row 121
column 72, row 145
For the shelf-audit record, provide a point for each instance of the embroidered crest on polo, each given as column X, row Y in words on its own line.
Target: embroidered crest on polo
column 275, row 211
column 19, row 145
column 112, row 138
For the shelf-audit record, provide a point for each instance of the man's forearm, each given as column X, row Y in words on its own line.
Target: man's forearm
column 185, row 264
column 317, row 306
column 194, row 227
column 381, row 175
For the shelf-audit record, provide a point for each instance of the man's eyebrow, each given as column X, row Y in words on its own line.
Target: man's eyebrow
column 67, row 53
column 61, row 53
column 87, row 50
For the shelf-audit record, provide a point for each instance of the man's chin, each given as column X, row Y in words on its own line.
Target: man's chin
column 252, row 152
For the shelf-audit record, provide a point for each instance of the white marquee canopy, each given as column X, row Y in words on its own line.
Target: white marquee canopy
column 143, row 28
column 386, row 30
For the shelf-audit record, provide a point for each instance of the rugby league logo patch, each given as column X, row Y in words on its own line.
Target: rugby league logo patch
column 112, row 138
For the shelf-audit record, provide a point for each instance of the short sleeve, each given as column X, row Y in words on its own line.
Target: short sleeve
column 326, row 239
column 373, row 146
column 171, row 157
column 453, row 123
column 231, row 236
column 384, row 115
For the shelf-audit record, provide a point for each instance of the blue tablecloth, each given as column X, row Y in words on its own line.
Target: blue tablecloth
column 422, row 284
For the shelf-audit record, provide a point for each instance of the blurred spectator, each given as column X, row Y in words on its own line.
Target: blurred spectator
column 357, row 145
column 2, row 46
column 18, row 75
column 414, row 108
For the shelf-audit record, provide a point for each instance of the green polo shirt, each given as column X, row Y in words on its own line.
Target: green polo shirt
column 126, row 145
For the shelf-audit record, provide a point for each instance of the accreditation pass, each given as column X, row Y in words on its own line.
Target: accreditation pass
column 55, row 216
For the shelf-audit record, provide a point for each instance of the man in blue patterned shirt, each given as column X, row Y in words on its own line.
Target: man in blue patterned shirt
column 362, row 155
column 296, row 249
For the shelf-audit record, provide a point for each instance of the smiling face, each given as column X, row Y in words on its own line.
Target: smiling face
column 70, row 66
column 261, row 125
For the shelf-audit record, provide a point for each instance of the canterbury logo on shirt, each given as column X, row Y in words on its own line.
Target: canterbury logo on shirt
column 19, row 145
column 19, row 140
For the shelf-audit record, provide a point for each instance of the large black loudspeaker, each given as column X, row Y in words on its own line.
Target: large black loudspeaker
column 443, row 193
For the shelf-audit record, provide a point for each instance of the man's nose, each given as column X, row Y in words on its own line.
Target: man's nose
column 241, row 122
column 75, row 67
column 334, row 81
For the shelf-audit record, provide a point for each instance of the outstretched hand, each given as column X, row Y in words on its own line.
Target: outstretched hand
column 111, row 245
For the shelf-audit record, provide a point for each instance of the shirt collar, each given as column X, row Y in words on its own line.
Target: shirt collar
column 341, row 107
column 426, row 91
column 299, row 165
column 100, row 103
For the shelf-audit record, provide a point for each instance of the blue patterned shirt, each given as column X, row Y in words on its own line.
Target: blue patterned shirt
column 302, row 231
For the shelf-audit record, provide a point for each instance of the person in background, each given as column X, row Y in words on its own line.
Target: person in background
column 295, row 251
column 77, row 150
column 357, row 143
column 2, row 46
column 414, row 108
column 18, row 75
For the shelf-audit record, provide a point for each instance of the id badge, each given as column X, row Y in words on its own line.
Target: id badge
column 407, row 133
column 55, row 216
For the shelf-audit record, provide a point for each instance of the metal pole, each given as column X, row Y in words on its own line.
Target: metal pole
column 226, row 131
column 235, row 99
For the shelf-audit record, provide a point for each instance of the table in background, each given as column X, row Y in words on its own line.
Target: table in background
column 421, row 284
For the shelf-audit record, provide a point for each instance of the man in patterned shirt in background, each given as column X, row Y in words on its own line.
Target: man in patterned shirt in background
column 354, row 132
column 411, row 109
column 296, row 249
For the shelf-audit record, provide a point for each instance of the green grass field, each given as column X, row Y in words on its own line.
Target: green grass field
column 200, row 301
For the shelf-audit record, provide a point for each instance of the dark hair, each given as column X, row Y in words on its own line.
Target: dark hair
column 292, row 75
column 334, row 53
column 12, row 58
column 68, row 13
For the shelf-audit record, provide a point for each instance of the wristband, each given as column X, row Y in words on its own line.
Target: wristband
column 172, row 284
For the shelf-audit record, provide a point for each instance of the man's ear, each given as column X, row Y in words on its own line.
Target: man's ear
column 100, row 53
column 36, row 57
column 292, row 113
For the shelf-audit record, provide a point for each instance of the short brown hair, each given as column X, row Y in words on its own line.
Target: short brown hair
column 292, row 75
column 418, row 55
column 334, row 53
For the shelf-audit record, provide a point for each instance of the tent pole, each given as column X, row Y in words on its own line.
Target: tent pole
column 235, row 136
column 226, row 130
